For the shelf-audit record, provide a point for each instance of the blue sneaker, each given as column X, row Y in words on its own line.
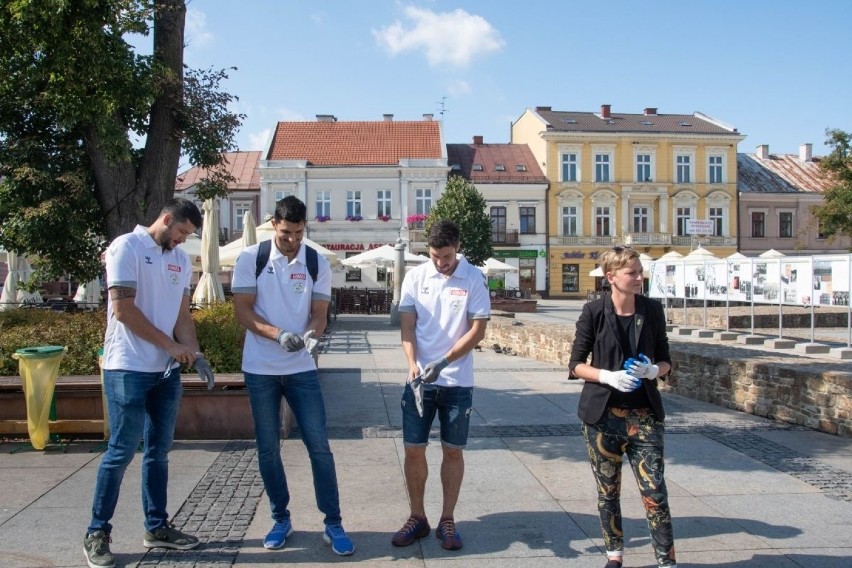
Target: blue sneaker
column 336, row 537
column 278, row 535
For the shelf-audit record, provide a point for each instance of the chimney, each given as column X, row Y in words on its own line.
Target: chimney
column 650, row 111
column 806, row 152
column 326, row 118
column 388, row 117
column 477, row 140
column 546, row 109
column 427, row 117
column 763, row 151
column 605, row 111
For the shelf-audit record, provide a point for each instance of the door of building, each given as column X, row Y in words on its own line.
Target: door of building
column 526, row 276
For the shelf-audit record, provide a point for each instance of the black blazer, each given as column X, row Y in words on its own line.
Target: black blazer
column 597, row 333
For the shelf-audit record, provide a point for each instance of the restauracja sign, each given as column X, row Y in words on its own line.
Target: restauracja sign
column 352, row 246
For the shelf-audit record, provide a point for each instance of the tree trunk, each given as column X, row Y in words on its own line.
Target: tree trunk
column 134, row 193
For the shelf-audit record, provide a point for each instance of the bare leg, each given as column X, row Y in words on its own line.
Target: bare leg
column 416, row 473
column 452, row 473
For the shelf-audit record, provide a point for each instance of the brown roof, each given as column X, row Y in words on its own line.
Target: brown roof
column 780, row 173
column 332, row 143
column 462, row 157
column 241, row 165
column 570, row 121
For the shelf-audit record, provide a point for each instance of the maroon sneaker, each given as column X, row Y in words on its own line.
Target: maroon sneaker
column 450, row 537
column 414, row 528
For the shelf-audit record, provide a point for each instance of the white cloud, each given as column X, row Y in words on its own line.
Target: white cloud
column 455, row 38
column 285, row 114
column 195, row 29
column 258, row 140
column 459, row 87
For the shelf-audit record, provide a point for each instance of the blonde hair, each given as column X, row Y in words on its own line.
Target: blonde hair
column 617, row 257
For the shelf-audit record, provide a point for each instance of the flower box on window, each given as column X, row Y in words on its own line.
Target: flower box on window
column 323, row 218
column 384, row 218
column 416, row 221
column 353, row 218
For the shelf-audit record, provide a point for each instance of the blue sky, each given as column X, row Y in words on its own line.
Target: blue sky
column 779, row 71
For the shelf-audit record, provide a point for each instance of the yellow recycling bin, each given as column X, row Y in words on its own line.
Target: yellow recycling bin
column 39, row 367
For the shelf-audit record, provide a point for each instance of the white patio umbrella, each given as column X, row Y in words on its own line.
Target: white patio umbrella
column 228, row 254
column 89, row 294
column 209, row 289
column 493, row 266
column 19, row 271
column 192, row 247
column 771, row 253
column 597, row 272
column 249, row 230
column 384, row 255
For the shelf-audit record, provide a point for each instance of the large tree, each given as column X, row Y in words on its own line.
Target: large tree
column 461, row 202
column 92, row 131
column 835, row 215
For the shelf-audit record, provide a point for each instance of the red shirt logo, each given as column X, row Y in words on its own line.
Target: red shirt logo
column 297, row 277
column 173, row 268
column 458, row 292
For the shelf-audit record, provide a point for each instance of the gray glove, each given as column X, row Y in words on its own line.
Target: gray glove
column 289, row 341
column 432, row 371
column 311, row 342
column 205, row 373
column 417, row 389
column 619, row 380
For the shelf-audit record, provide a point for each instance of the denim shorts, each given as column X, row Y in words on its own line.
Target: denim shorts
column 453, row 406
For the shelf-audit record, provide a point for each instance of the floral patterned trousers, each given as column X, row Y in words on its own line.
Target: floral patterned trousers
column 638, row 434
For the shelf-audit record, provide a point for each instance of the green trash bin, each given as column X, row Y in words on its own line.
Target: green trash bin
column 39, row 367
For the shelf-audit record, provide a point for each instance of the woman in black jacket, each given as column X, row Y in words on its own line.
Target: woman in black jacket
column 620, row 406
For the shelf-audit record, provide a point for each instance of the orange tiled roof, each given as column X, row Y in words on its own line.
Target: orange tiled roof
column 241, row 165
column 332, row 143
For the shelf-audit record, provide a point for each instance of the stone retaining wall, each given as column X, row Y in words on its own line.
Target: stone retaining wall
column 809, row 392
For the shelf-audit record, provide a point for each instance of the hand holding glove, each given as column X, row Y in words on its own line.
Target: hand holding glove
column 205, row 373
column 642, row 367
column 311, row 342
column 619, row 380
column 289, row 341
column 432, row 371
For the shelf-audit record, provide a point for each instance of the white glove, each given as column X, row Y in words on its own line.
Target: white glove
column 642, row 367
column 619, row 380
column 311, row 342
column 289, row 341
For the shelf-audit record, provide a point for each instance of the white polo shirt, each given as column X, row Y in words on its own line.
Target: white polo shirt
column 283, row 295
column 161, row 280
column 445, row 308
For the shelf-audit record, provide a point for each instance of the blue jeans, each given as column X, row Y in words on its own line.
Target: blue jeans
column 452, row 405
column 302, row 391
column 141, row 406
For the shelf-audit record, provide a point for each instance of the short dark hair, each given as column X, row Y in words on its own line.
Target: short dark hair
column 443, row 233
column 183, row 210
column 290, row 209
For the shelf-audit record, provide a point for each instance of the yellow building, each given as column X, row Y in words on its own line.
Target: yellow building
column 656, row 182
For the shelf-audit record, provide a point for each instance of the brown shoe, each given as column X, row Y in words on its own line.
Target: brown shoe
column 414, row 528
column 450, row 538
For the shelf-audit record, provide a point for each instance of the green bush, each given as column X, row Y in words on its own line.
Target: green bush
column 219, row 335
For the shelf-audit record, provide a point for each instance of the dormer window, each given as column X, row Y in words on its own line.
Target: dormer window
column 500, row 167
column 477, row 167
column 456, row 167
column 520, row 168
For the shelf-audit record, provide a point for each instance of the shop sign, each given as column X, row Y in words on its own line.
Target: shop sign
column 517, row 253
column 352, row 246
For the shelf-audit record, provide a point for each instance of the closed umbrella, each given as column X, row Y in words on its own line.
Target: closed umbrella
column 19, row 271
column 89, row 294
column 249, row 230
column 209, row 289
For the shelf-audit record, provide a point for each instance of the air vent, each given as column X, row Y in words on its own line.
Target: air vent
column 684, row 123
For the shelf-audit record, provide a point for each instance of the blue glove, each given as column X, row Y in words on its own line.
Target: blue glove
column 432, row 371
column 205, row 373
column 289, row 341
column 642, row 367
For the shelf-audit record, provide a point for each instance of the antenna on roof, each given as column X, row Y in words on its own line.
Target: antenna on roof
column 443, row 106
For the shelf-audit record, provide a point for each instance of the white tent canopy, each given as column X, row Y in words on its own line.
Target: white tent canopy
column 493, row 266
column 597, row 272
column 384, row 255
column 701, row 253
column 228, row 254
column 772, row 253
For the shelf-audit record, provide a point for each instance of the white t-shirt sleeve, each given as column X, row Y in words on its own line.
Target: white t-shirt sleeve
column 244, row 279
column 407, row 293
column 479, row 306
column 121, row 265
column 321, row 289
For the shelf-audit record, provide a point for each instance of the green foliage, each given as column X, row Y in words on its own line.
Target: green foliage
column 91, row 131
column 461, row 202
column 219, row 336
column 835, row 215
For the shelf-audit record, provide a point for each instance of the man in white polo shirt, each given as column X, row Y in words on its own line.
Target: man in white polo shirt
column 149, row 328
column 284, row 312
column 443, row 313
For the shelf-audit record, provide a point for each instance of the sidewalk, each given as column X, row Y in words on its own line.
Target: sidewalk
column 744, row 491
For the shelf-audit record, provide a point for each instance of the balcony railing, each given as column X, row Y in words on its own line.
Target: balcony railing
column 508, row 237
column 586, row 241
column 634, row 239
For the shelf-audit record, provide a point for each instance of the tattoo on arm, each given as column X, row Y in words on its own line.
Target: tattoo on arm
column 121, row 292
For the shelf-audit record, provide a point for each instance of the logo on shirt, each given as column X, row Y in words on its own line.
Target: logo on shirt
column 458, row 292
column 456, row 305
column 148, row 260
column 424, row 290
column 269, row 270
column 173, row 268
column 297, row 277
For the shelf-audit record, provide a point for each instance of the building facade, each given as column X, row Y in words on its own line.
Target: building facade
column 515, row 191
column 777, row 193
column 361, row 181
column 656, row 182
